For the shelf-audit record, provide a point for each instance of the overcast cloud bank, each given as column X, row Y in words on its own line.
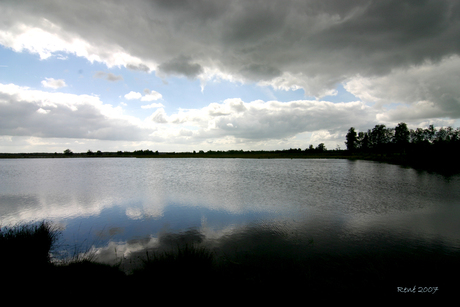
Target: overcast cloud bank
column 400, row 58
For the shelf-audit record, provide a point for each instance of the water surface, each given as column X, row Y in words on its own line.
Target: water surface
column 122, row 206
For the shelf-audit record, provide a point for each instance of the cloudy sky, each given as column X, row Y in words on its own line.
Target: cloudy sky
column 205, row 74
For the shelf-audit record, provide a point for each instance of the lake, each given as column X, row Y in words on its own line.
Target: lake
column 121, row 207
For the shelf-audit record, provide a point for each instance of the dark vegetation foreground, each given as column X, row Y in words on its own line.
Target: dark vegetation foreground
column 190, row 272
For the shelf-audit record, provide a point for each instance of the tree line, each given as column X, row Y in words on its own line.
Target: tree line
column 146, row 152
column 400, row 139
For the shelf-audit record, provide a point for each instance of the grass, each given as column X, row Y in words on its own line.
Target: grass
column 192, row 269
column 27, row 245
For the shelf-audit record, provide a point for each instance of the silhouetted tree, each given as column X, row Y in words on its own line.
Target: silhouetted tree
column 68, row 152
column 351, row 139
column 379, row 137
column 430, row 133
column 321, row 147
column 401, row 137
column 362, row 141
column 143, row 152
column 418, row 137
column 442, row 135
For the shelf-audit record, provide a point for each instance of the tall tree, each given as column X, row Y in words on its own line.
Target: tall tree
column 351, row 139
column 321, row 147
column 362, row 141
column 401, row 137
column 430, row 133
column 379, row 136
column 417, row 136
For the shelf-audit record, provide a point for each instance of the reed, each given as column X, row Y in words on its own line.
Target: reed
column 25, row 244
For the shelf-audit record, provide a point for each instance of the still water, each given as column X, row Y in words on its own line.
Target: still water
column 120, row 207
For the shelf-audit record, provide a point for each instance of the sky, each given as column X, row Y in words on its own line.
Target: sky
column 190, row 75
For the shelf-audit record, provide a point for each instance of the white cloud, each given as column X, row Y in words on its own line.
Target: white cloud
column 53, row 83
column 258, row 120
column 27, row 112
column 150, row 96
column 133, row 95
column 45, row 38
column 159, row 116
column 43, row 111
column 427, row 91
column 152, row 106
column 228, row 125
column 32, row 113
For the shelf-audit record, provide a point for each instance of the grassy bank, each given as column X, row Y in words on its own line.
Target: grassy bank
column 194, row 270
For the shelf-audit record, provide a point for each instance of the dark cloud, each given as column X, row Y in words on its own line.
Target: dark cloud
column 383, row 35
column 260, row 72
column 196, row 9
column 181, row 66
column 332, row 40
column 139, row 67
column 254, row 21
